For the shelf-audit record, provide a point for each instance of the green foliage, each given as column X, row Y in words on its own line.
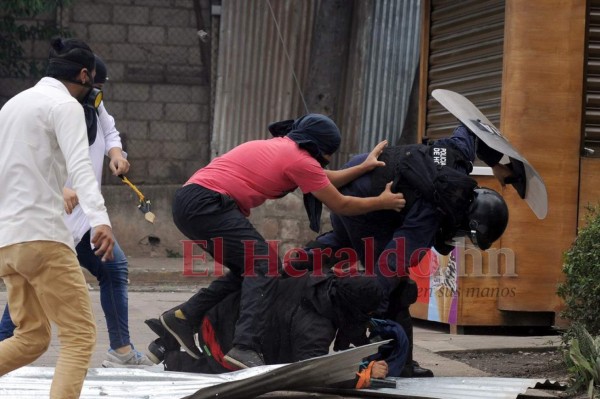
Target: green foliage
column 581, row 288
column 17, row 26
column 583, row 359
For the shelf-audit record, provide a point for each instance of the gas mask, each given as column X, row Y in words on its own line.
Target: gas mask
column 90, row 103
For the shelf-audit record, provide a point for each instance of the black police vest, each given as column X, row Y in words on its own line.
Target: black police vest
column 430, row 171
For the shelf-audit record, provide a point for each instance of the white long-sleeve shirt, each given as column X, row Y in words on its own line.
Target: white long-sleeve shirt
column 107, row 138
column 42, row 141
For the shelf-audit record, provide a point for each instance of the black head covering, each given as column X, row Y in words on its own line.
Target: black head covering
column 101, row 71
column 353, row 299
column 318, row 135
column 69, row 56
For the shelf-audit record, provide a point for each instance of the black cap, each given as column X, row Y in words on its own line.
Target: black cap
column 101, row 71
column 69, row 56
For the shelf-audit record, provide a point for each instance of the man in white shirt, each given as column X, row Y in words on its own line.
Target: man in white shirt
column 42, row 141
column 104, row 140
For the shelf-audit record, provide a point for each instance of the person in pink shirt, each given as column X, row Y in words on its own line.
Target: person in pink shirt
column 214, row 204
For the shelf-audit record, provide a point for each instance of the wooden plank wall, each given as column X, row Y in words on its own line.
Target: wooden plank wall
column 541, row 116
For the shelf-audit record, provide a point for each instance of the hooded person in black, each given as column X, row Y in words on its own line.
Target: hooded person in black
column 301, row 323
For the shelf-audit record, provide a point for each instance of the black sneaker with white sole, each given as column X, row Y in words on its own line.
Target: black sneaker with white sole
column 182, row 332
column 244, row 358
column 156, row 351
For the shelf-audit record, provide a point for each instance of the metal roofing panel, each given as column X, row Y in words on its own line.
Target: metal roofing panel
column 459, row 388
column 393, row 56
column 122, row 383
column 153, row 383
column 255, row 84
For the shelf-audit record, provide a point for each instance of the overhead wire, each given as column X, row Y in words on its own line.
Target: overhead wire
column 287, row 56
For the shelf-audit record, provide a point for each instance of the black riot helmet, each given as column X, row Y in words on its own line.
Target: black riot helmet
column 487, row 217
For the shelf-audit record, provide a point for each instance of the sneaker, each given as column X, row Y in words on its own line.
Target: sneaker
column 244, row 358
column 182, row 332
column 156, row 351
column 168, row 341
column 131, row 359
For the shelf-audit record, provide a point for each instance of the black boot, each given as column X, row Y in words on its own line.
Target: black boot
column 401, row 298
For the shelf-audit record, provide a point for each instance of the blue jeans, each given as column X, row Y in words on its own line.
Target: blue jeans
column 112, row 276
column 6, row 325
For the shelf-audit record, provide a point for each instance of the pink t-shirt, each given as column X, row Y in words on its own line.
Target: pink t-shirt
column 262, row 169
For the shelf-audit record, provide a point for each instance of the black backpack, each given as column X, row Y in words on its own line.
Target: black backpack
column 415, row 174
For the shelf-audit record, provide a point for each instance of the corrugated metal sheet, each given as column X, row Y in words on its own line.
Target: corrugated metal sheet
column 462, row 388
column 466, row 41
column 255, row 85
column 392, row 60
column 592, row 103
column 121, row 383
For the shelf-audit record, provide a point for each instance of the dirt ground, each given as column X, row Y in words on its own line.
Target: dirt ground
column 547, row 364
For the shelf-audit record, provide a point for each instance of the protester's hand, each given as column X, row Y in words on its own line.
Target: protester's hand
column 371, row 162
column 119, row 165
column 501, row 172
column 390, row 200
column 70, row 200
column 379, row 370
column 103, row 242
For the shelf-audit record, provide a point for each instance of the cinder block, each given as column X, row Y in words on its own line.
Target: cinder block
column 167, row 55
column 130, row 92
column 144, row 149
column 115, row 108
column 115, row 72
column 201, row 94
column 182, row 36
column 179, row 150
column 172, row 93
column 194, row 56
column 187, row 75
column 169, row 17
column 165, row 171
column 186, row 112
column 147, row 34
column 168, row 131
column 144, row 111
column 125, row 52
column 87, row 12
column 107, row 33
column 146, row 73
column 199, row 132
column 135, row 130
column 79, row 30
column 131, row 15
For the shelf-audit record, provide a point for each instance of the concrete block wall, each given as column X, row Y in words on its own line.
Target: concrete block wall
column 158, row 90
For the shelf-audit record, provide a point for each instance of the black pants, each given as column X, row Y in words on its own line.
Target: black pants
column 203, row 214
